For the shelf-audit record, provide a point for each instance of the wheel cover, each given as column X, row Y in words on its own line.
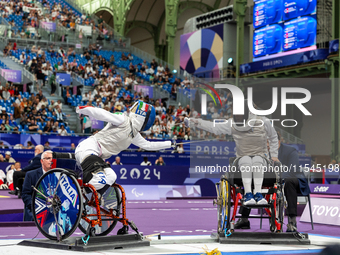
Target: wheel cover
column 62, row 206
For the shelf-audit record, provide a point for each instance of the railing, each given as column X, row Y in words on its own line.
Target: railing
column 75, row 5
column 78, row 78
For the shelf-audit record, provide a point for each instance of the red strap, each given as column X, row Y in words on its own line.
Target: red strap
column 11, row 186
column 82, row 107
column 1, row 182
column 54, row 163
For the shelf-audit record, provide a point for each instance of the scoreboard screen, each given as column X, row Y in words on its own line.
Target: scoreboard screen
column 267, row 12
column 299, row 33
column 267, row 40
column 297, row 8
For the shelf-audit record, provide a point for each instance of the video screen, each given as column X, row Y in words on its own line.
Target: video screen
column 267, row 40
column 267, row 12
column 297, row 8
column 299, row 33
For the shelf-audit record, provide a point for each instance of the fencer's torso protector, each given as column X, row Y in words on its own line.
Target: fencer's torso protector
column 251, row 142
column 114, row 139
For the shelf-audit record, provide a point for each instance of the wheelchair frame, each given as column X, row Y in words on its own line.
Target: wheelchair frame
column 60, row 204
column 230, row 194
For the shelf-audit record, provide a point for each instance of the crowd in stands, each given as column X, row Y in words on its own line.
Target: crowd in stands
column 25, row 17
column 111, row 91
column 24, row 112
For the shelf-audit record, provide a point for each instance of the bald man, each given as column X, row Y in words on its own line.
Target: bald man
column 34, row 163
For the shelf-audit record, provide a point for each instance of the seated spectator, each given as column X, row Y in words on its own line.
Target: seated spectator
column 180, row 148
column 9, row 177
column 10, row 126
column 8, row 157
column 47, row 145
column 22, row 57
column 31, row 179
column 30, row 145
column 32, row 126
column 146, row 162
column 160, row 162
column 174, row 91
column 5, row 94
column 48, row 127
column 117, row 161
column 3, row 146
column 73, row 147
column 62, row 131
column 34, row 50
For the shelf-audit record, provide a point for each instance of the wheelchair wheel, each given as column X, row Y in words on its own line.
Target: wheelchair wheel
column 223, row 205
column 111, row 200
column 57, row 204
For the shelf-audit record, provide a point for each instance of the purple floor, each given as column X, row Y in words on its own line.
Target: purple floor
column 169, row 217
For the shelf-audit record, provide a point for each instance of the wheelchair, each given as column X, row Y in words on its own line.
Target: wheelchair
column 61, row 202
column 230, row 195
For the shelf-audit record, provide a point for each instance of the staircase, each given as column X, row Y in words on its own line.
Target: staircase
column 72, row 120
column 11, row 64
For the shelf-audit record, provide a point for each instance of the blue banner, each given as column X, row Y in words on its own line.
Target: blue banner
column 97, row 124
column 146, row 90
column 64, row 79
column 294, row 59
column 151, row 175
column 11, row 75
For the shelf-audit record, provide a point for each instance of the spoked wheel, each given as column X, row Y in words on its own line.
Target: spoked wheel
column 223, row 203
column 57, row 204
column 109, row 201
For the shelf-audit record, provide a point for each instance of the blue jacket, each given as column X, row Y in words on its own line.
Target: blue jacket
column 289, row 157
column 34, row 163
column 31, row 178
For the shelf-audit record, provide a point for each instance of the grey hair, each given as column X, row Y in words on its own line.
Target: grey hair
column 45, row 152
column 40, row 148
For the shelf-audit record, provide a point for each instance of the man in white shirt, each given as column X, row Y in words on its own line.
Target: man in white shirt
column 146, row 162
column 160, row 68
column 22, row 57
column 117, row 161
column 85, row 97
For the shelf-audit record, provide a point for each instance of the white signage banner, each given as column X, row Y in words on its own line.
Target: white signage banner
column 324, row 211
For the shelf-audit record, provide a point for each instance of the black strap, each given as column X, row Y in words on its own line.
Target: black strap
column 64, row 155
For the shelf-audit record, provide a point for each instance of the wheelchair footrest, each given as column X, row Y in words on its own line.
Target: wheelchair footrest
column 94, row 243
column 264, row 238
column 257, row 206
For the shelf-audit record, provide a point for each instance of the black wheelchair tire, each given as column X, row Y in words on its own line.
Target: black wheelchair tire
column 79, row 209
column 112, row 225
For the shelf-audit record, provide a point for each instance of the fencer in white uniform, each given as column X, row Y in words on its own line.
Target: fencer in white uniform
column 251, row 147
column 116, row 136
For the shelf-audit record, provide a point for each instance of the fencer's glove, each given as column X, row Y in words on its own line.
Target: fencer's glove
column 3, row 186
column 173, row 144
column 186, row 121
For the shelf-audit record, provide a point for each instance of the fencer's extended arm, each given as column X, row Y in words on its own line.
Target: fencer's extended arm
column 150, row 146
column 218, row 127
column 272, row 138
column 101, row 114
